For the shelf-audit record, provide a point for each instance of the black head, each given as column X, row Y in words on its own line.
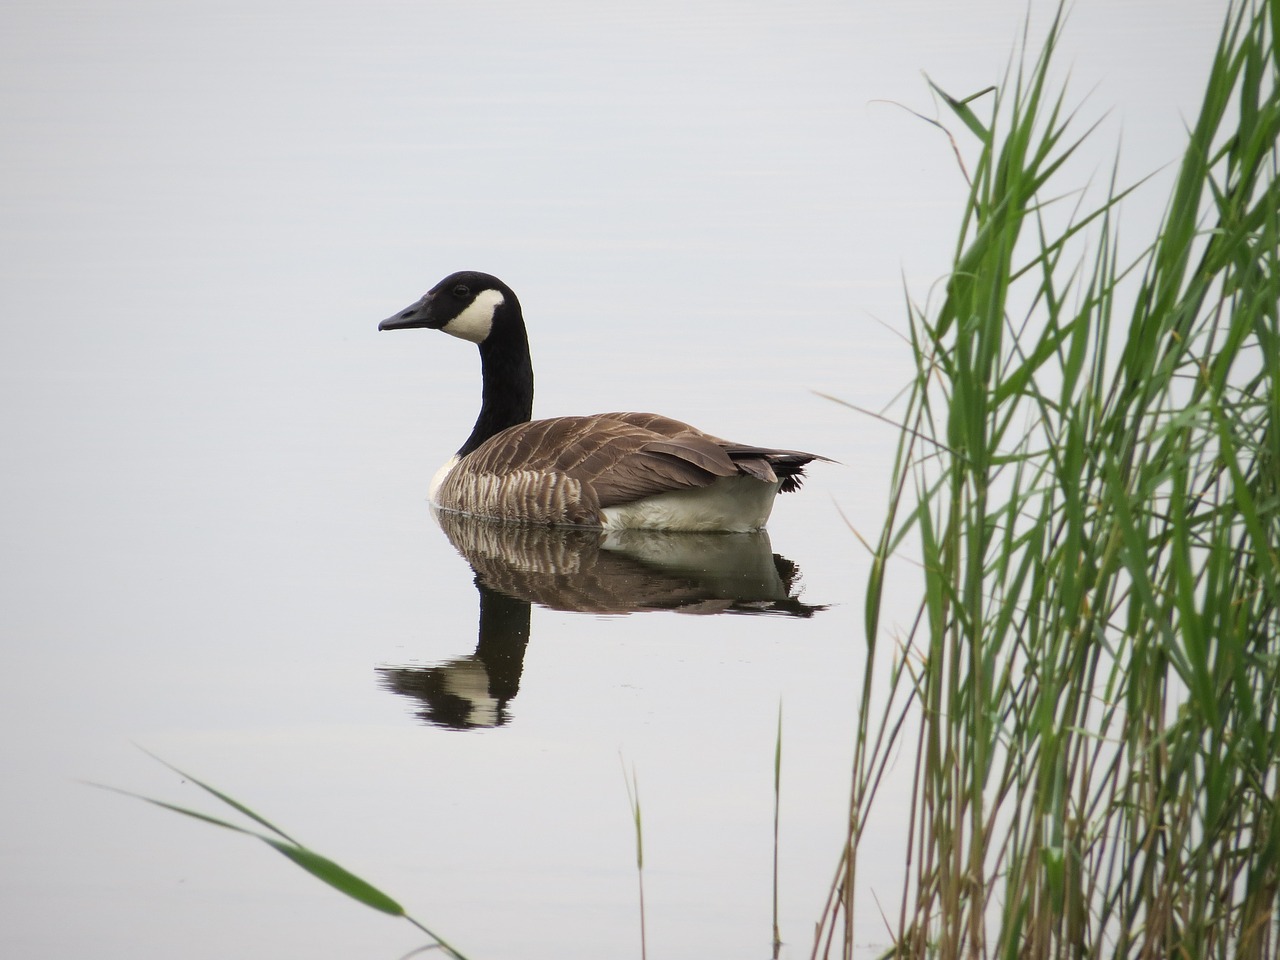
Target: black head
column 465, row 304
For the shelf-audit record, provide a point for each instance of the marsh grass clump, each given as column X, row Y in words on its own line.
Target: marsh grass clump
column 1088, row 490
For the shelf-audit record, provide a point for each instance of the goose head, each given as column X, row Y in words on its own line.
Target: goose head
column 482, row 309
column 469, row 305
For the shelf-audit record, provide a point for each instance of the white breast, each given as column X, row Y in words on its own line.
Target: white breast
column 439, row 477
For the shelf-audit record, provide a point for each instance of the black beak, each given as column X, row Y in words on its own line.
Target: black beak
column 416, row 315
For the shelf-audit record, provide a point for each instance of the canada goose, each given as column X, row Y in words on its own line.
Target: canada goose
column 612, row 470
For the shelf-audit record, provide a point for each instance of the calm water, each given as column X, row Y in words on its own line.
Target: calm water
column 215, row 538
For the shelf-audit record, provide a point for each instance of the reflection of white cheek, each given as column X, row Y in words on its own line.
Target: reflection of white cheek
column 475, row 322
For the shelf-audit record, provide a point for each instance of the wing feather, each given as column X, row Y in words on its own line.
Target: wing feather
column 566, row 469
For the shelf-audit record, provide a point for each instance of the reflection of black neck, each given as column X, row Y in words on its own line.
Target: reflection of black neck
column 504, row 634
column 507, row 374
column 446, row 692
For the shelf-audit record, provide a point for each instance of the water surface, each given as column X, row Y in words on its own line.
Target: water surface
column 216, row 541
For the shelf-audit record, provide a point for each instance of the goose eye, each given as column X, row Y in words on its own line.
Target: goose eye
column 461, row 290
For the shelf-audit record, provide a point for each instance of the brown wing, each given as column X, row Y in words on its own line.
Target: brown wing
column 763, row 463
column 565, row 470
column 662, row 465
column 656, row 423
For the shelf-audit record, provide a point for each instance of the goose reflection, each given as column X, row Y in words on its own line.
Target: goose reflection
column 586, row 570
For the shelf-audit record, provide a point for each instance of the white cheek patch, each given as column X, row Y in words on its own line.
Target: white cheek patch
column 475, row 322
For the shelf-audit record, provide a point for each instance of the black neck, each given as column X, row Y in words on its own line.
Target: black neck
column 508, row 383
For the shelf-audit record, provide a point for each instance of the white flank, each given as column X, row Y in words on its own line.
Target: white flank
column 475, row 322
column 730, row 504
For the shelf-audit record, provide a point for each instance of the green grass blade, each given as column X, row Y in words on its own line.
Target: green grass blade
column 338, row 877
column 229, row 801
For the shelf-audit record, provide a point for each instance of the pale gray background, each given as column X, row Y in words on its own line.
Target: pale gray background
column 214, row 469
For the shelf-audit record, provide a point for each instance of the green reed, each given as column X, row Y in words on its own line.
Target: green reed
column 633, row 801
column 777, row 811
column 1087, row 492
